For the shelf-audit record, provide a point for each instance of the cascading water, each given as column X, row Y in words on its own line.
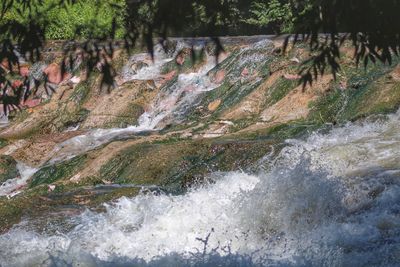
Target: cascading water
column 11, row 187
column 173, row 100
column 170, row 99
column 330, row 200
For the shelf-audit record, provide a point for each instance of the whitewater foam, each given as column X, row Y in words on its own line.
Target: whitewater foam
column 313, row 208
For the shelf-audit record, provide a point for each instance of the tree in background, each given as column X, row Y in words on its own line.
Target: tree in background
column 274, row 14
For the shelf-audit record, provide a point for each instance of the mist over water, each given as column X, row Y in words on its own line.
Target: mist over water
column 330, row 200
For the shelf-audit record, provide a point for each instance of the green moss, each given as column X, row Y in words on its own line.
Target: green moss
column 18, row 115
column 178, row 163
column 81, row 92
column 3, row 143
column 328, row 107
column 369, row 91
column 129, row 117
column 8, row 168
column 279, row 133
column 279, row 90
column 10, row 213
column 64, row 170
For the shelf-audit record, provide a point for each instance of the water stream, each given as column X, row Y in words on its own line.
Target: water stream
column 14, row 186
column 170, row 99
column 332, row 199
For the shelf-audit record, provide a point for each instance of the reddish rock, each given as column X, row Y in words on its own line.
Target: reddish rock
column 219, row 76
column 245, row 72
column 167, row 77
column 5, row 64
column 31, row 103
column 180, row 59
column 24, row 71
column 53, row 72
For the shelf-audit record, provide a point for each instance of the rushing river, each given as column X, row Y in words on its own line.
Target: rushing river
column 332, row 199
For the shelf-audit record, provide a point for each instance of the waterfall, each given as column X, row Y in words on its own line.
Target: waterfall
column 170, row 99
column 332, row 199
column 173, row 100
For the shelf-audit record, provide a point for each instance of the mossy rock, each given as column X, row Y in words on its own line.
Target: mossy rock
column 369, row 91
column 3, row 143
column 10, row 213
column 129, row 117
column 81, row 91
column 59, row 171
column 279, row 90
column 178, row 163
column 8, row 168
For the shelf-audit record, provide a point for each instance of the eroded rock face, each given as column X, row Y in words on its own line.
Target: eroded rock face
column 37, row 151
column 122, row 107
column 295, row 105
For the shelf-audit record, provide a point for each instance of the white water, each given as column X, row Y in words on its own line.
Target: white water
column 332, row 200
column 170, row 100
column 14, row 186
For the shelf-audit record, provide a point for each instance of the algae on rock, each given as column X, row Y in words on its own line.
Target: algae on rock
column 8, row 168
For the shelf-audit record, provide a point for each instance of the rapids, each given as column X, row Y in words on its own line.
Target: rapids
column 331, row 199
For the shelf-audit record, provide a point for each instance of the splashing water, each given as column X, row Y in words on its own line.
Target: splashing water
column 331, row 200
column 12, row 187
column 174, row 100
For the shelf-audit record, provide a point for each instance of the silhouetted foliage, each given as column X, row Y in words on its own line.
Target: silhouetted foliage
column 373, row 27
